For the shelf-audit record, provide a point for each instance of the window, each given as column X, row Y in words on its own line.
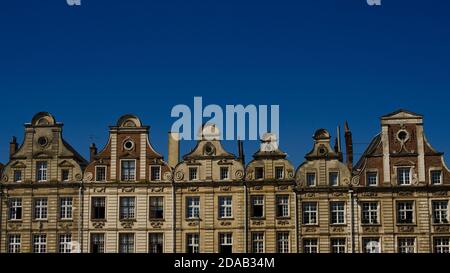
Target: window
column 442, row 245
column 41, row 171
column 404, row 176
column 371, row 245
column 40, row 208
column 258, row 242
column 283, row 242
column 436, row 177
column 372, row 178
column 279, row 172
column 192, row 243
column 333, row 178
column 65, row 175
column 65, row 208
column 97, row 243
column 98, row 208
column 406, row 245
column 39, row 243
column 14, row 243
column 282, row 206
column 17, row 175
column 193, row 207
column 65, row 243
column 225, row 207
column 405, row 212
column 224, row 171
column 338, row 245
column 157, row 207
column 337, row 213
column 155, row 173
column 128, row 170
column 310, row 179
column 155, row 243
column 259, row 173
column 310, row 213
column 126, row 243
column 257, row 206
column 226, row 243
column 127, row 208
column 369, row 213
column 100, row 173
column 193, row 173
column 310, row 246
column 15, row 209
column 440, row 212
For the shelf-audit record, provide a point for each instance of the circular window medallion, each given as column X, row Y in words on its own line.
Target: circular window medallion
column 209, row 149
column 128, row 145
column 403, row 135
column 42, row 141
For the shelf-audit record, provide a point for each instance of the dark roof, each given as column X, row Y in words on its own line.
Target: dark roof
column 369, row 151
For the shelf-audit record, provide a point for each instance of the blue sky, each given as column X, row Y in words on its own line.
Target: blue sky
column 322, row 61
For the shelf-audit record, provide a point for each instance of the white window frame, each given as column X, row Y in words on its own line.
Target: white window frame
column 21, row 175
column 404, row 245
column 66, row 208
column 130, row 242
column 96, row 172
column 402, row 212
column 441, row 177
column 366, row 241
column 159, row 172
column 441, row 245
column 338, row 211
column 283, row 200
column 338, row 245
column 15, row 203
column 227, row 176
column 99, row 240
column 283, row 242
column 41, row 171
column 370, row 212
column 337, row 178
column 308, row 174
column 368, row 180
column 258, row 200
column 68, row 175
column 65, row 243
column 193, row 206
column 14, row 243
column 258, row 242
column 193, row 242
column 129, row 179
column 226, row 239
column 155, row 241
column 130, row 212
column 262, row 174
column 39, row 243
column 225, row 208
column 310, row 213
column 402, row 181
column 310, row 245
column 40, row 205
column 191, row 176
column 441, row 212
column 277, row 176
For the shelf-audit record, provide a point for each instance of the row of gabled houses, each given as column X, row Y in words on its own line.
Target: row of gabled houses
column 126, row 198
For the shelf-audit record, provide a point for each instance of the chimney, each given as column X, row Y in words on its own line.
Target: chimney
column 12, row 147
column 241, row 152
column 349, row 146
column 174, row 149
column 92, row 152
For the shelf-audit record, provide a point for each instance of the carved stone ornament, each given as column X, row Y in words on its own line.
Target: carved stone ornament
column 371, row 229
column 257, row 223
column 78, row 177
column 290, row 174
column 14, row 226
column 99, row 189
column 193, row 224
column 355, row 181
column 441, row 229
column 98, row 225
column 156, row 224
column 283, row 222
column 128, row 189
column 310, row 229
column 88, row 176
column 337, row 229
column 257, row 188
column 158, row 189
column 440, row 193
column 239, row 174
column 225, row 223
column 179, row 176
column 406, row 229
column 65, row 226
column 5, row 178
column 167, row 176
column 226, row 188
column 193, row 189
column 283, row 188
column 127, row 224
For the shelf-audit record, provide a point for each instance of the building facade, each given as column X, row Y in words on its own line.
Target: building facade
column 128, row 199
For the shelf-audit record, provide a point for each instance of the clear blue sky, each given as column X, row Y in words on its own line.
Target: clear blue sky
column 322, row 61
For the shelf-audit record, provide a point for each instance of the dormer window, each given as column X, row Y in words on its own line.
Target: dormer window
column 193, row 173
column 41, row 171
column 310, row 179
column 436, row 177
column 224, row 173
column 17, row 175
column 155, row 173
column 404, row 176
column 100, row 173
column 259, row 173
column 333, row 179
column 65, row 175
column 279, row 172
column 128, row 170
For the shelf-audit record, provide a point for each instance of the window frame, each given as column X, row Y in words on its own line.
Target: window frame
column 122, row 170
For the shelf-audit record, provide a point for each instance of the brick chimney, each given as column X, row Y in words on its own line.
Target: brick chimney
column 174, row 149
column 241, row 152
column 349, row 146
column 12, row 147
column 92, row 152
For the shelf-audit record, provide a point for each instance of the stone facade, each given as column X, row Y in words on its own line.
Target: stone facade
column 394, row 199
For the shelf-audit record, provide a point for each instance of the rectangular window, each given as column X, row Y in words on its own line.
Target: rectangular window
column 405, row 212
column 371, row 245
column 226, row 243
column 442, row 245
column 40, row 208
column 225, row 207
column 65, row 243
column 15, row 209
column 310, row 179
column 128, row 170
column 97, row 243
column 193, row 173
column 155, row 243
column 338, row 245
column 100, row 173
column 310, row 213
column 404, row 176
column 193, row 207
column 155, row 173
column 259, row 173
column 436, row 177
column 14, row 243
column 279, row 172
column 333, row 178
column 257, row 206
column 17, row 175
column 192, row 243
column 406, row 245
column 224, row 173
column 258, row 242
column 372, row 178
column 157, row 207
column 337, row 213
column 39, row 243
column 440, row 212
column 310, row 246
column 283, row 242
column 126, row 243
column 282, row 206
column 127, row 208
column 65, row 208
column 369, row 211
column 41, row 171
column 98, row 208
column 65, row 175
